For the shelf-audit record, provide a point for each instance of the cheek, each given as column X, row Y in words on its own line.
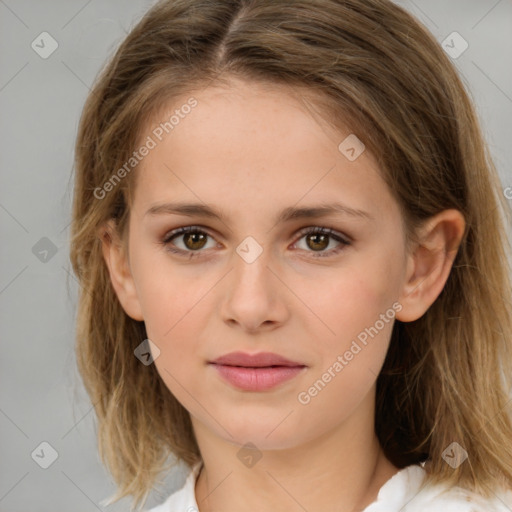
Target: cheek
column 354, row 298
column 348, row 362
column 165, row 292
column 357, row 305
column 170, row 305
column 173, row 307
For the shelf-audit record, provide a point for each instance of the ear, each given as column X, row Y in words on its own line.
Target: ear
column 429, row 263
column 118, row 265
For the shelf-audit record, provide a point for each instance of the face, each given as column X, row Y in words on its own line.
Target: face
column 318, row 290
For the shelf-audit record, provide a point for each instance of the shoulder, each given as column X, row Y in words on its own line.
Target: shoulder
column 406, row 491
column 183, row 500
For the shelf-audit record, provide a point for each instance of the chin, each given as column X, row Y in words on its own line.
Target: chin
column 270, row 434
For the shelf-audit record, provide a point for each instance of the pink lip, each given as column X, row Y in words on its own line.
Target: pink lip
column 254, row 360
column 256, row 372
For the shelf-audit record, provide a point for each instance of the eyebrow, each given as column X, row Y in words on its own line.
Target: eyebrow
column 286, row 215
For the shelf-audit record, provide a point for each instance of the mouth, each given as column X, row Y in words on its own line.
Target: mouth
column 257, row 379
column 260, row 367
column 260, row 360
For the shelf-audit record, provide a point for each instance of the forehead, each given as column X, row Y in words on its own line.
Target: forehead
column 250, row 142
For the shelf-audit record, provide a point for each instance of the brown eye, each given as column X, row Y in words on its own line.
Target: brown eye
column 317, row 242
column 193, row 240
column 318, row 239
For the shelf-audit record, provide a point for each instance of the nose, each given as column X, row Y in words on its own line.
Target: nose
column 253, row 297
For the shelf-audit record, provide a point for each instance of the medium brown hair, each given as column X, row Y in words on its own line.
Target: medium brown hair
column 372, row 66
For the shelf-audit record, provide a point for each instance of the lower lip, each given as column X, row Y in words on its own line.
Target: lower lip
column 257, row 379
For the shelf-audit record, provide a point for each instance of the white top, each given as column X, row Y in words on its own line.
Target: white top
column 399, row 494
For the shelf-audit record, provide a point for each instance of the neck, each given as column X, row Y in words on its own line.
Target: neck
column 342, row 470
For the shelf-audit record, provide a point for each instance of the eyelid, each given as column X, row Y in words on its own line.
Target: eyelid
column 324, row 230
column 303, row 231
column 185, row 229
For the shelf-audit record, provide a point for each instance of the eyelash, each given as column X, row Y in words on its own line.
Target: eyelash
column 306, row 231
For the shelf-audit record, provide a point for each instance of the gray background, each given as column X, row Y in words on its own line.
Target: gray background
column 41, row 397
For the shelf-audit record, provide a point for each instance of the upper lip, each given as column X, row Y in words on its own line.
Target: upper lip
column 260, row 360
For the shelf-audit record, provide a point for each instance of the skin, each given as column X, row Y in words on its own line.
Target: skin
column 250, row 151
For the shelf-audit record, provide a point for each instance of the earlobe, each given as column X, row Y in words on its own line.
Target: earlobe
column 429, row 263
column 119, row 270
